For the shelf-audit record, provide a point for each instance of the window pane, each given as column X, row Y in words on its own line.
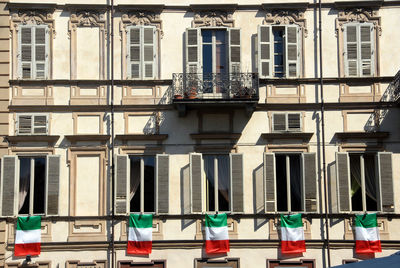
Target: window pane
column 371, row 183
column 207, row 36
column 149, row 171
column 281, row 186
column 210, row 182
column 223, row 182
column 356, row 191
column 207, row 59
column 24, row 185
column 135, row 184
column 39, row 185
column 295, row 183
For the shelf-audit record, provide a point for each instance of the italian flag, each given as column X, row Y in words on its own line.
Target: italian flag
column 140, row 234
column 217, row 240
column 367, row 234
column 292, row 234
column 27, row 236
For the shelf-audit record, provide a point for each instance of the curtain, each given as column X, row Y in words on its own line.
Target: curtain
column 223, row 176
column 370, row 181
column 24, row 181
column 134, row 177
column 295, row 182
column 355, row 172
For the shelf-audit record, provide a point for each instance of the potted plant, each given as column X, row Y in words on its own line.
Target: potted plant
column 191, row 93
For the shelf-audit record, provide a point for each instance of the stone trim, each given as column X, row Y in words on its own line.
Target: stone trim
column 273, row 97
column 232, row 229
column 130, row 99
column 158, row 230
column 274, row 226
column 77, row 114
column 97, row 230
column 42, row 264
column 19, row 97
column 46, row 234
column 156, row 114
column 382, row 226
column 94, row 264
column 373, row 96
column 213, row 18
column 78, row 98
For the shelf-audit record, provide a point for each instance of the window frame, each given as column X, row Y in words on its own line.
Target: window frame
column 286, row 122
column 33, row 127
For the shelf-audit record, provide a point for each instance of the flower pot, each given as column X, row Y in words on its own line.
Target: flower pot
column 178, row 96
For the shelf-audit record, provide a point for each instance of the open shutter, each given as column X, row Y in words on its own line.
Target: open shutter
column 269, row 182
column 40, row 51
column 162, row 163
column 343, row 180
column 134, row 52
column 292, row 56
column 25, row 53
column 9, row 177
column 53, row 184
column 350, row 50
column 24, row 124
column 196, row 182
column 236, row 166
column 385, row 170
column 149, row 52
column 367, row 50
column 193, row 55
column 234, row 50
column 310, row 182
column 122, row 184
column 264, row 51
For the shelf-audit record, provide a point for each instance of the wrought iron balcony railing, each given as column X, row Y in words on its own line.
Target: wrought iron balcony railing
column 215, row 86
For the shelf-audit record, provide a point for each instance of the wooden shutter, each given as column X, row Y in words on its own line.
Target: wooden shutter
column 292, row 55
column 350, row 50
column 149, row 52
column 234, row 50
column 310, row 182
column 385, row 169
column 196, row 182
column 265, row 51
column 343, row 180
column 269, row 182
column 366, row 49
column 40, row 124
column 53, row 184
column 162, row 176
column 41, row 43
column 25, row 54
column 236, row 167
column 294, row 121
column 193, row 55
column 278, row 122
column 24, row 124
column 134, row 52
column 9, row 182
column 122, row 174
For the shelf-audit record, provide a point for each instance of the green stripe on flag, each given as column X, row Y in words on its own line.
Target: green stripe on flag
column 291, row 221
column 217, row 220
column 141, row 220
column 28, row 223
column 366, row 220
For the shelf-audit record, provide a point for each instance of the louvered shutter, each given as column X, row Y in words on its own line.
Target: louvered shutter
column 236, row 166
column 234, row 50
column 122, row 184
column 269, row 182
column 367, row 49
column 310, row 182
column 265, row 51
column 24, row 124
column 9, row 182
column 193, row 55
column 385, row 169
column 134, row 52
column 25, row 52
column 162, row 183
column 350, row 50
column 343, row 180
column 278, row 122
column 53, row 184
column 292, row 56
column 40, row 51
column 149, row 52
column 196, row 182
column 294, row 121
column 40, row 124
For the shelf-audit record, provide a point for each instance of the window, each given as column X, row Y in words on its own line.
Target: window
column 279, row 51
column 154, row 264
column 359, row 49
column 290, row 182
column 142, row 183
column 33, row 51
column 227, row 263
column 216, row 182
column 365, row 181
column 289, row 263
column 142, row 52
column 28, row 124
column 286, row 122
column 30, row 185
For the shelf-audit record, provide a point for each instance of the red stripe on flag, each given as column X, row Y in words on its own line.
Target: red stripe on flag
column 293, row 246
column 217, row 246
column 139, row 247
column 368, row 246
column 27, row 249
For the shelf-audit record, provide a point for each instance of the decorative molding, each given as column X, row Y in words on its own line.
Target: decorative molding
column 285, row 17
column 232, row 229
column 94, row 264
column 349, row 233
column 49, row 139
column 157, row 230
column 359, row 15
column 87, row 19
column 45, row 234
column 42, row 96
column 274, row 228
column 216, row 18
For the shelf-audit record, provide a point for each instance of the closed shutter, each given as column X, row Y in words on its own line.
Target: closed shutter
column 385, row 169
column 269, row 182
column 264, row 51
column 24, row 123
column 134, row 52
column 196, row 182
column 149, row 52
column 310, row 181
column 292, row 56
column 40, row 124
column 366, row 48
column 53, row 184
column 343, row 180
column 162, row 183
column 25, row 55
column 234, row 50
column 350, row 50
column 278, row 122
column 294, row 121
column 122, row 174
column 236, row 165
column 9, row 177
column 193, row 55
column 40, row 52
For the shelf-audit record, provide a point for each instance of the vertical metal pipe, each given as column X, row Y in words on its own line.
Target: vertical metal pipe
column 112, row 136
column 323, row 135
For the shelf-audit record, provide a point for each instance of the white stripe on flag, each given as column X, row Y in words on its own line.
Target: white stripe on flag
column 292, row 234
column 367, row 234
column 29, row 236
column 140, row 234
column 217, row 233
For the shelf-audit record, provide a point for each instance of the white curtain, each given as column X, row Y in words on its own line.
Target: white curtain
column 223, row 176
column 134, row 178
column 24, row 181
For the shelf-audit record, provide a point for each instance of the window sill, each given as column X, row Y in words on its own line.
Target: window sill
column 304, row 136
column 77, row 138
column 379, row 135
column 50, row 139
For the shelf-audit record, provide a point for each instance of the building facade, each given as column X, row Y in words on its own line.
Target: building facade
column 198, row 108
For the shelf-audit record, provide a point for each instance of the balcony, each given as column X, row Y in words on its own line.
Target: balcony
column 197, row 90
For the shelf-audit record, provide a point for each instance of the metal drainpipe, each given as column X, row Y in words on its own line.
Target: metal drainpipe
column 112, row 137
column 323, row 134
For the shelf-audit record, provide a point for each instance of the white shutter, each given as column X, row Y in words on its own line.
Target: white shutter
column 269, row 182
column 343, row 181
column 366, row 49
column 40, row 124
column 134, row 52
column 196, row 182
column 236, row 182
column 25, row 51
column 24, row 124
column 309, row 182
column 122, row 184
column 350, row 50
column 293, row 121
column 265, row 51
column 234, row 50
column 52, row 184
column 386, row 192
column 149, row 52
column 279, row 122
column 9, row 185
column 292, row 55
column 193, row 51
column 40, row 51
column 162, row 185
